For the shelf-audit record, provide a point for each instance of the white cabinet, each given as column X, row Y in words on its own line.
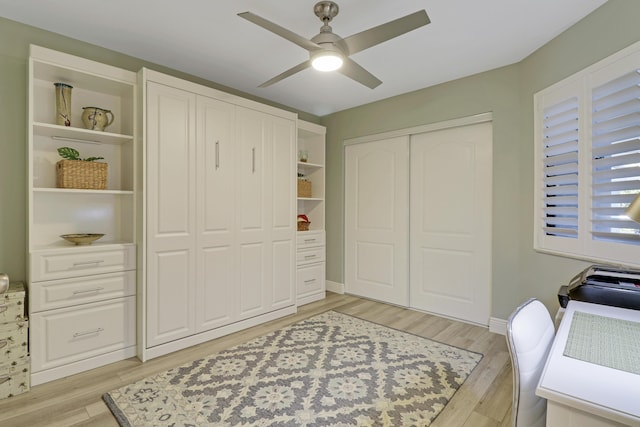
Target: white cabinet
column 65, row 280
column 310, row 254
column 219, row 213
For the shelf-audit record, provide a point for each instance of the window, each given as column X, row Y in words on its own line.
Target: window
column 587, row 136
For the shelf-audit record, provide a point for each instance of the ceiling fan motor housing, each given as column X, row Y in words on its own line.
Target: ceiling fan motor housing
column 326, row 11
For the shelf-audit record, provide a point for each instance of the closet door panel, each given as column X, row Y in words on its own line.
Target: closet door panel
column 376, row 220
column 215, row 300
column 451, row 222
column 171, row 219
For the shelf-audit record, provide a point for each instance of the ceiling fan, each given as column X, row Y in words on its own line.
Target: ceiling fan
column 329, row 52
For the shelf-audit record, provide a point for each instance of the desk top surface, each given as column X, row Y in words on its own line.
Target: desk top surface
column 608, row 392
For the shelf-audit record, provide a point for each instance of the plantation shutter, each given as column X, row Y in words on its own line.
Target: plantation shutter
column 615, row 158
column 560, row 187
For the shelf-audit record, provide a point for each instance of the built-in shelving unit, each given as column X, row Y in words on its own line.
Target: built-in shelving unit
column 310, row 255
column 56, row 211
column 311, row 142
column 82, row 298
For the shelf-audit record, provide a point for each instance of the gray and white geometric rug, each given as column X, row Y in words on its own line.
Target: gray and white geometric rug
column 332, row 369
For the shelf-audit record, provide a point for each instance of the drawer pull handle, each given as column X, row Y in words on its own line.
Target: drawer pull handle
column 87, row 263
column 4, row 343
column 309, row 240
column 309, row 256
column 81, row 334
column 4, row 379
column 86, row 291
column 310, row 281
column 4, row 307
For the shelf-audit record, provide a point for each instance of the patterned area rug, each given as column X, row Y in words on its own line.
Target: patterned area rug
column 331, row 369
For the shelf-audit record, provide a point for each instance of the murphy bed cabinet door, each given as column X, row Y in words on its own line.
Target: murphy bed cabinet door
column 251, row 198
column 216, row 302
column 171, row 218
column 265, row 211
column 282, row 215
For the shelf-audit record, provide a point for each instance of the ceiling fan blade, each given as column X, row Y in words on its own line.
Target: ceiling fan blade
column 352, row 69
column 291, row 71
column 281, row 31
column 376, row 35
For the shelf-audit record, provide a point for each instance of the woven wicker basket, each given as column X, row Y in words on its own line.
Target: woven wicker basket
column 303, row 226
column 304, row 188
column 81, row 174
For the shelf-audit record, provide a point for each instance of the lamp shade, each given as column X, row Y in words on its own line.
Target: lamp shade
column 633, row 211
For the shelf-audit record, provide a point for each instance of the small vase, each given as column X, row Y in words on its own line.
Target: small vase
column 63, row 104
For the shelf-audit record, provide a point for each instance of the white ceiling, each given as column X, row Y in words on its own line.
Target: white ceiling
column 206, row 38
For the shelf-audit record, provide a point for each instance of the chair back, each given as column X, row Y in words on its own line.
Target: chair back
column 530, row 333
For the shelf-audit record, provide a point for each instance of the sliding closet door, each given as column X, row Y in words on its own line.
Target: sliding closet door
column 376, row 220
column 450, row 212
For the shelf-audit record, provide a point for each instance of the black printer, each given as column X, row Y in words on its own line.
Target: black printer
column 606, row 285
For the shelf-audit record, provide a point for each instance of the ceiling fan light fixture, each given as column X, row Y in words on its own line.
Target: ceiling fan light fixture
column 327, row 61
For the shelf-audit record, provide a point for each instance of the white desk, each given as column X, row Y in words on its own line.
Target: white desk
column 583, row 394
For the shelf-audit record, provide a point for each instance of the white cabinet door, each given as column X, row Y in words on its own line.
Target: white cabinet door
column 251, row 192
column 282, row 213
column 265, row 211
column 377, row 220
column 170, row 210
column 216, row 303
column 450, row 226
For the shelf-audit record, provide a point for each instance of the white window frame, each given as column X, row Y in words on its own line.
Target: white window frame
column 580, row 85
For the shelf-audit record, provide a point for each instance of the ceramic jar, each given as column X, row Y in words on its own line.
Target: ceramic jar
column 95, row 118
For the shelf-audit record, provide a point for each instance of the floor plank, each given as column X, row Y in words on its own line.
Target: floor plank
column 483, row 400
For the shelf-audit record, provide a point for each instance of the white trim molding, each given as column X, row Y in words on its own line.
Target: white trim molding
column 336, row 287
column 497, row 326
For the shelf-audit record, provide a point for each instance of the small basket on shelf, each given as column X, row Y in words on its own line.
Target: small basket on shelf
column 304, row 186
column 303, row 223
column 73, row 172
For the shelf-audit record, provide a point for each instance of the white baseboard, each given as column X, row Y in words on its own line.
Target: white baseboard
column 498, row 326
column 336, row 287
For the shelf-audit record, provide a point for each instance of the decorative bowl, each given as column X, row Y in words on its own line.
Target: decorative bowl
column 81, row 239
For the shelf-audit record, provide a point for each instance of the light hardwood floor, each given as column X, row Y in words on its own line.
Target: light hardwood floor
column 484, row 400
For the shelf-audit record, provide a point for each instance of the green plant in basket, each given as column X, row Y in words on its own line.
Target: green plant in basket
column 69, row 153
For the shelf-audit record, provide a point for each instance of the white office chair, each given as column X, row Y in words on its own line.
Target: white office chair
column 530, row 332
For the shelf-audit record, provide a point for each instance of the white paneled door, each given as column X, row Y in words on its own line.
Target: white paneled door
column 450, row 239
column 171, row 217
column 377, row 220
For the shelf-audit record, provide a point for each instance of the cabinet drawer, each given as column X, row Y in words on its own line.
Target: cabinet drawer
column 66, row 335
column 310, row 279
column 309, row 239
column 65, row 263
column 310, row 256
column 80, row 290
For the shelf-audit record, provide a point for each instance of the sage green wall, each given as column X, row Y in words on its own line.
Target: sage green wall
column 15, row 39
column 518, row 271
